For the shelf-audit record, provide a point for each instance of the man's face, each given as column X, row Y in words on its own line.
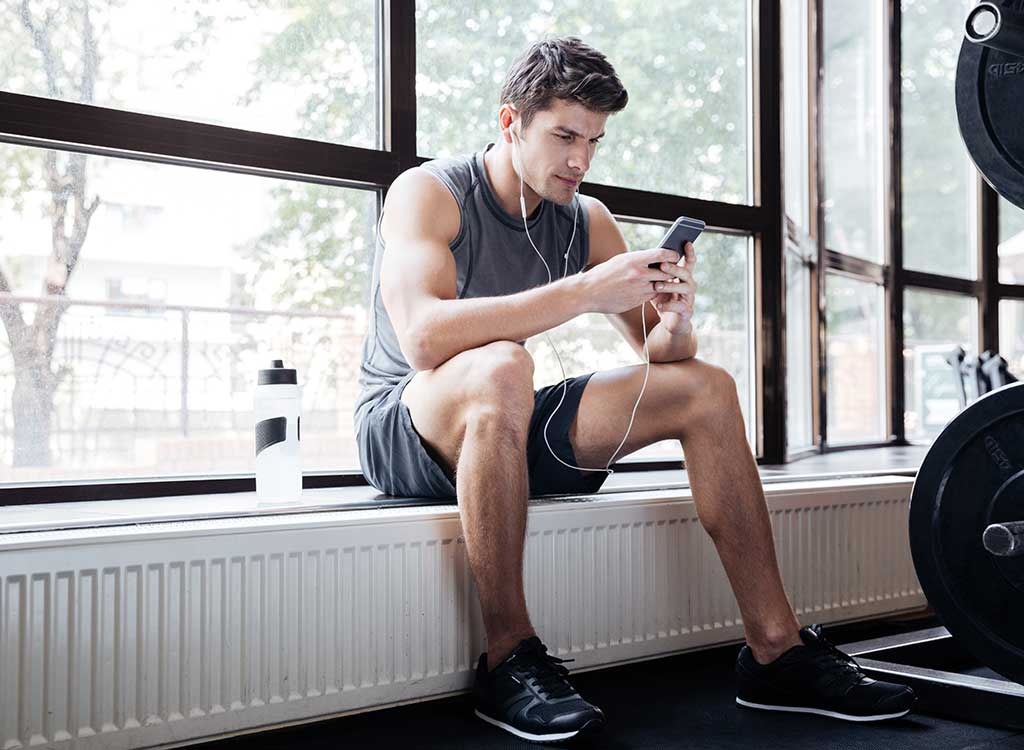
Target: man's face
column 557, row 148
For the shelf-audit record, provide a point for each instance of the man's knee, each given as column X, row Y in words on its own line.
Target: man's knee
column 710, row 389
column 499, row 384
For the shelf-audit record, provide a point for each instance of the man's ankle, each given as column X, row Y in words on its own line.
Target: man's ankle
column 770, row 647
column 499, row 650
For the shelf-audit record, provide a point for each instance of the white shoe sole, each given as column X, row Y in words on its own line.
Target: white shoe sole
column 554, row 737
column 821, row 712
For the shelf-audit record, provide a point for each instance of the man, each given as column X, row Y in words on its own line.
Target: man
column 448, row 409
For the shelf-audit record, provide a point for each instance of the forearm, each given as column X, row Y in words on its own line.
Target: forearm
column 665, row 347
column 454, row 326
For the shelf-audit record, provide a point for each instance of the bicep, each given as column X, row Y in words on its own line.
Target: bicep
column 414, row 274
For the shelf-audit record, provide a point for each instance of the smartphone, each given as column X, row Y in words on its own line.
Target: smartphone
column 683, row 230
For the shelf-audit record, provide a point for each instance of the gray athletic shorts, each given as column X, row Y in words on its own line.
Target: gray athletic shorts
column 397, row 462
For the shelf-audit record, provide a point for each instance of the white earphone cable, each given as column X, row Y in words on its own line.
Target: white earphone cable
column 565, row 388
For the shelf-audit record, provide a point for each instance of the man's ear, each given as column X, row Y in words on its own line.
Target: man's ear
column 507, row 121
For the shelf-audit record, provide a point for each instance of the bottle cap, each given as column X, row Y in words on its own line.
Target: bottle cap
column 278, row 374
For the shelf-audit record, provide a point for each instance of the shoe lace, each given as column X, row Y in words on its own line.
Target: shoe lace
column 549, row 674
column 842, row 666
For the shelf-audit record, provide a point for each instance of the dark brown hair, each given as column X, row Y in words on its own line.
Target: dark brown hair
column 563, row 68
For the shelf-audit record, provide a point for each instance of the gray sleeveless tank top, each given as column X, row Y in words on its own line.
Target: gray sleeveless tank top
column 493, row 257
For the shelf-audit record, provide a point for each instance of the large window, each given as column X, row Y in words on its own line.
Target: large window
column 685, row 64
column 855, row 326
column 934, row 324
column 854, row 123
column 220, row 209
column 939, row 181
column 304, row 68
column 181, row 283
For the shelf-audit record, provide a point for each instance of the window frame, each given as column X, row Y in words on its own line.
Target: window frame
column 68, row 126
column 896, row 279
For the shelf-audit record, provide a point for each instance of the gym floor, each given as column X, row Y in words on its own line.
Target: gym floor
column 679, row 701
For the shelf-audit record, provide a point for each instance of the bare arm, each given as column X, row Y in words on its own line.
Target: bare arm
column 457, row 325
column 418, row 282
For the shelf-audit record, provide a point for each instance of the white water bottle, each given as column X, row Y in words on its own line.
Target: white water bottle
column 278, row 430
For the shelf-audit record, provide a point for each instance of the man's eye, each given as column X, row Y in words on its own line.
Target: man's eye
column 566, row 138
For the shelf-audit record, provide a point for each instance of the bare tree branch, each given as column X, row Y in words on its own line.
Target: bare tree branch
column 55, row 280
column 64, row 186
column 41, row 40
column 89, row 57
column 83, row 214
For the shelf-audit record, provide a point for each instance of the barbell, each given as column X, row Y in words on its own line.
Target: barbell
column 989, row 92
column 967, row 529
column 967, row 506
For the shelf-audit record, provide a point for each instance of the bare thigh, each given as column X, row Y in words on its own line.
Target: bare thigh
column 678, row 394
column 496, row 376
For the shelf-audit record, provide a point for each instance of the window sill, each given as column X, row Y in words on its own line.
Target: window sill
column 85, row 514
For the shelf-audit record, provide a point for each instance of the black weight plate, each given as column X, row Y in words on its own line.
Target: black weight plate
column 971, row 477
column 989, row 92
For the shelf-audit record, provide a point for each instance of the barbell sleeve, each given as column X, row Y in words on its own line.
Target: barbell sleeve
column 996, row 28
column 1005, row 539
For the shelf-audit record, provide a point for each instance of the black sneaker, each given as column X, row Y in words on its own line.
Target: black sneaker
column 818, row 678
column 528, row 695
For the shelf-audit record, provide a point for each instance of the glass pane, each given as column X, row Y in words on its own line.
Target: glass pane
column 686, row 127
column 934, row 324
column 938, row 178
column 856, row 400
column 302, row 68
column 1011, row 243
column 174, row 304
column 852, row 96
column 1011, row 334
column 721, row 318
column 798, row 354
column 795, row 87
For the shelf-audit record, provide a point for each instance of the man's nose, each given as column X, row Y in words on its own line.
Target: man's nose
column 579, row 160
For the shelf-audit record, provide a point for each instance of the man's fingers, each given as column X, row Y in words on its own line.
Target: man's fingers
column 678, row 272
column 660, row 255
column 690, row 254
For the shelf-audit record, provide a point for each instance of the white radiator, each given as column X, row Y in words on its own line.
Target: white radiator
column 162, row 634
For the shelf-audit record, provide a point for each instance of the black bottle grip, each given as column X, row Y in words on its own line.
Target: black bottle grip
column 270, row 432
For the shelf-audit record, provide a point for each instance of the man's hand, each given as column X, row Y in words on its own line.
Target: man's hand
column 626, row 281
column 674, row 302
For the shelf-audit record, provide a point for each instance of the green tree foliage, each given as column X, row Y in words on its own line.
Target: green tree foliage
column 683, row 63
column 327, row 51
